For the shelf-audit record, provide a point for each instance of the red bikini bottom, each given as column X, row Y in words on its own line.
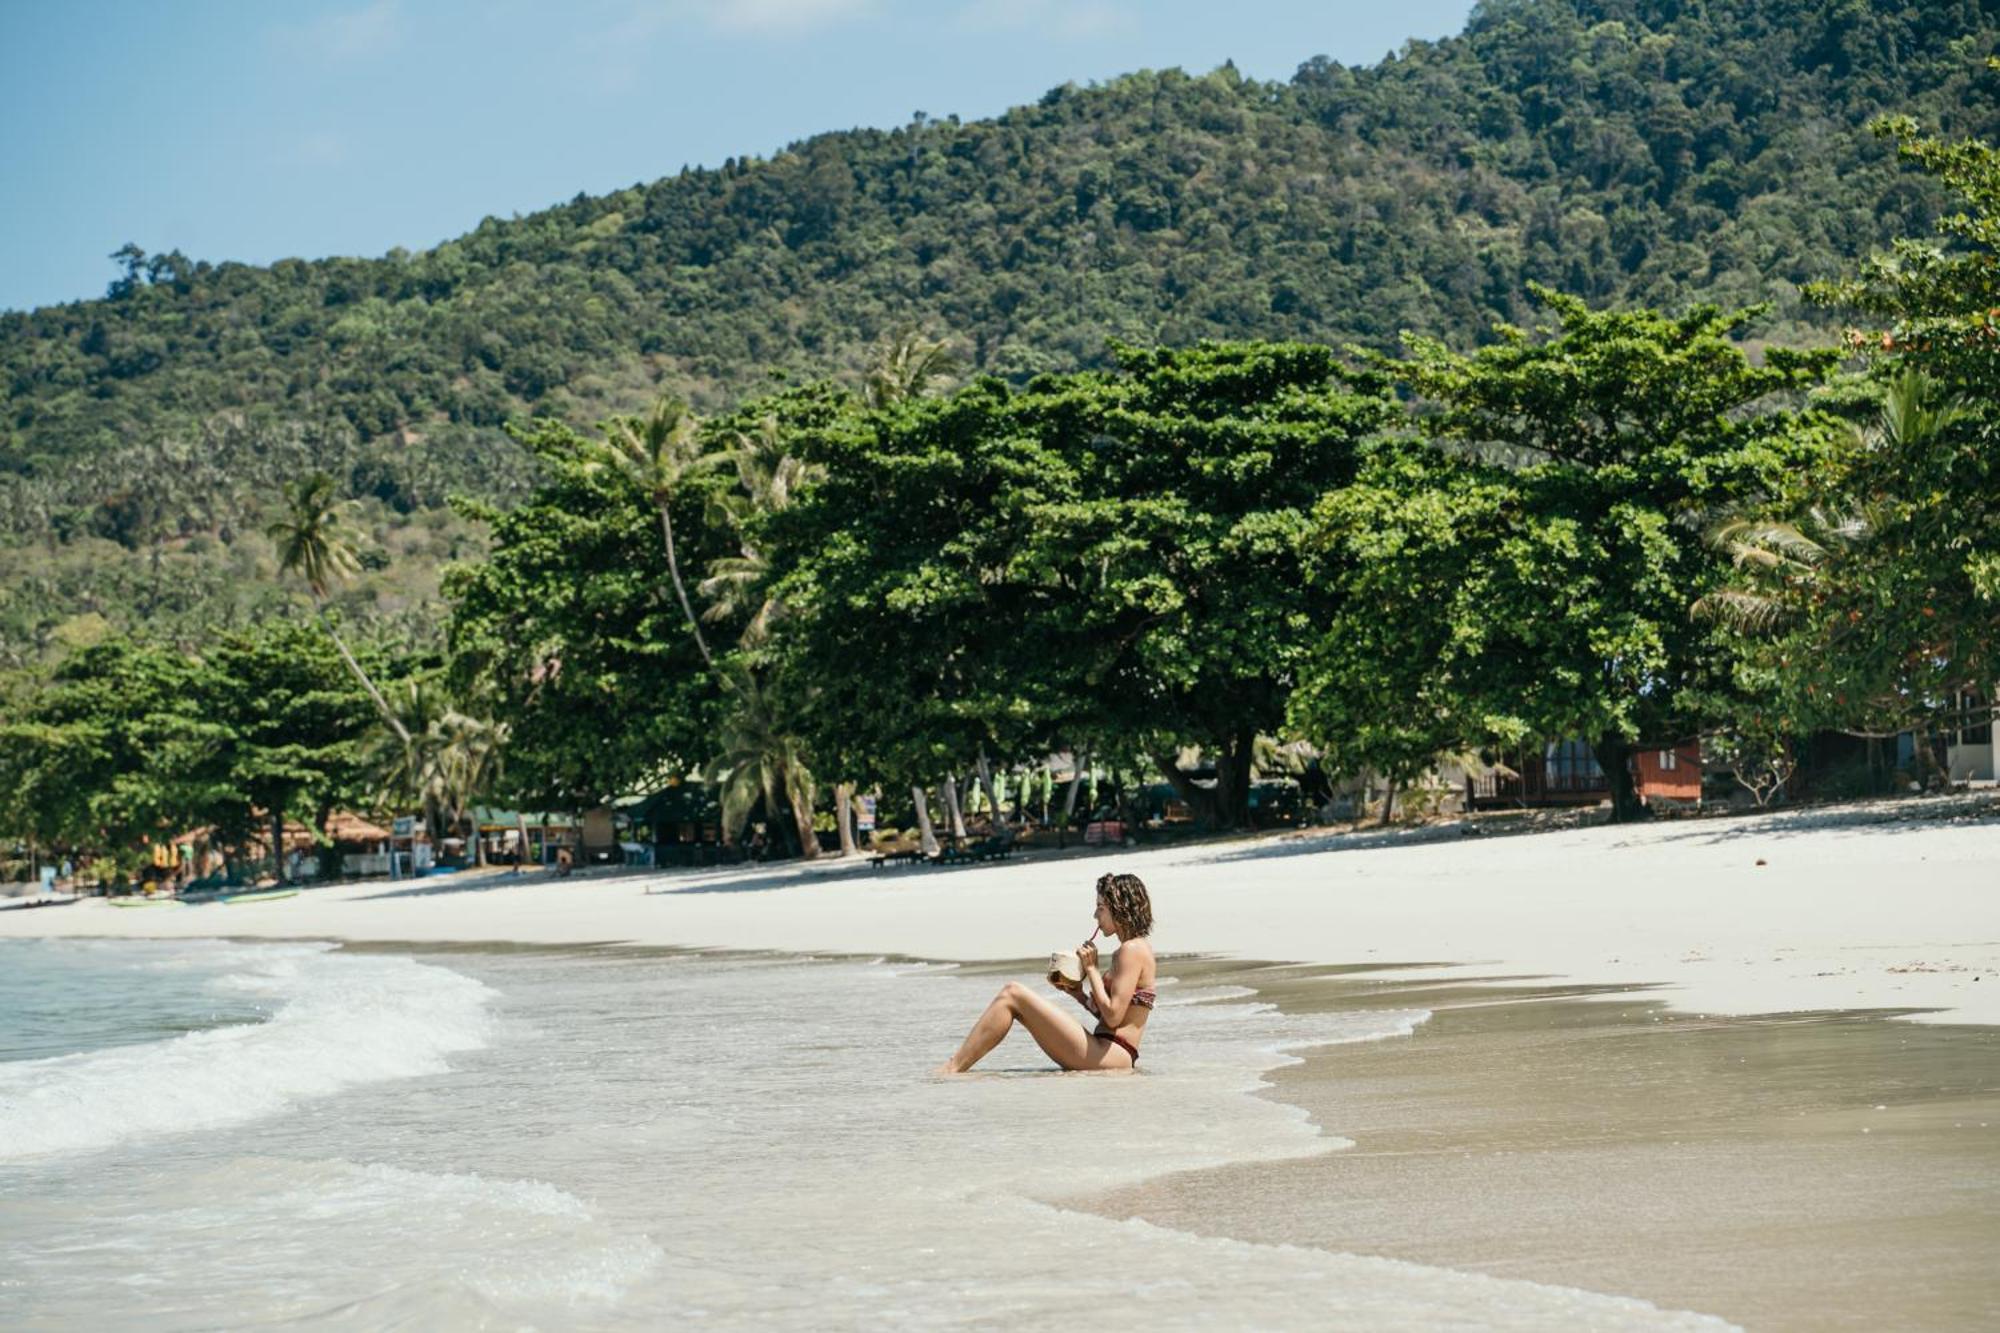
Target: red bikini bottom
column 1117, row 1040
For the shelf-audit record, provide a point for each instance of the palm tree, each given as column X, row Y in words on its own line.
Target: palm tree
column 1780, row 551
column 402, row 767
column 760, row 761
column 738, row 586
column 771, row 477
column 1781, row 554
column 656, row 454
column 905, row 366
column 313, row 542
column 469, row 758
column 443, row 761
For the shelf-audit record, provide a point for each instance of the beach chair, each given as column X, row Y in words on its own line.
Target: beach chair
column 895, row 848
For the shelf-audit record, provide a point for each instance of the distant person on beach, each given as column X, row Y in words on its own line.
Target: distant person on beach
column 1121, row 1002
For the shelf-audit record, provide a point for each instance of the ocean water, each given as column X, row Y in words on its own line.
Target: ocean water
column 304, row 1136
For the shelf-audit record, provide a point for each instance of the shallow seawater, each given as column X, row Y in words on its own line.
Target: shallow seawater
column 60, row 996
column 615, row 1139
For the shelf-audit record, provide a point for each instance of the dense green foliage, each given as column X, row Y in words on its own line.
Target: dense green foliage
column 131, row 742
column 1627, row 151
column 1106, row 559
column 572, row 628
column 1879, row 585
column 1625, row 526
column 1543, row 589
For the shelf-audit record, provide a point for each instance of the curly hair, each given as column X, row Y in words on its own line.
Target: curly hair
column 1130, row 907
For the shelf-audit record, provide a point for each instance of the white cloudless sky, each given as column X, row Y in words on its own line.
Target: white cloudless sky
column 238, row 129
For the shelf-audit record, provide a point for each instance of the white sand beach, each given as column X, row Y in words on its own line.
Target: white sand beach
column 1412, row 1135
column 1875, row 906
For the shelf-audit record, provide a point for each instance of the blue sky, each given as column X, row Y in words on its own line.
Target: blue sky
column 239, row 129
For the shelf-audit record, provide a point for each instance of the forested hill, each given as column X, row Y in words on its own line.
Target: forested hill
column 1651, row 151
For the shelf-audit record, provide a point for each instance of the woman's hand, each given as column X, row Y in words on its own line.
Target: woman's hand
column 1087, row 955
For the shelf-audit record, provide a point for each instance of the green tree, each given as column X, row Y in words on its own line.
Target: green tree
column 1390, row 679
column 571, row 629
column 760, row 761
column 1587, row 455
column 295, row 726
column 1911, row 616
column 655, row 455
column 313, row 542
column 114, row 754
column 1106, row 559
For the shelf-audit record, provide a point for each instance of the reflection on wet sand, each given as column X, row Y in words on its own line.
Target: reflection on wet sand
column 1803, row 1171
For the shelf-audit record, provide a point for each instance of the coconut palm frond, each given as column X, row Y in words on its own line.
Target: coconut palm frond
column 1916, row 409
column 312, row 538
column 905, row 367
column 1769, row 542
column 1740, row 609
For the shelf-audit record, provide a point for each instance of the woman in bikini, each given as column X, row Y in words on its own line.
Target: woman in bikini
column 1120, row 1002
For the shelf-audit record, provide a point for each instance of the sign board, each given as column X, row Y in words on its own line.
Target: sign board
column 864, row 816
column 405, row 826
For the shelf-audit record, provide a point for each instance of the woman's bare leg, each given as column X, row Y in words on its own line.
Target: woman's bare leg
column 1061, row 1037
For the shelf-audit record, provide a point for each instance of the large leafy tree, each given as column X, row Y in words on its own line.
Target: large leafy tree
column 296, row 724
column 1181, row 608
column 1584, row 458
column 896, row 622
column 1106, row 558
column 1390, row 677
column 130, row 742
column 574, row 628
column 113, row 753
column 1906, row 621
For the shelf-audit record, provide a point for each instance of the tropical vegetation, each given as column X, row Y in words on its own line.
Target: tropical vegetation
column 1628, row 522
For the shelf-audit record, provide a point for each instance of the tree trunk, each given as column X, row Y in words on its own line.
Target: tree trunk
column 674, row 568
column 1613, row 754
column 927, row 836
column 521, row 851
column 802, row 816
column 1205, row 804
column 1069, row 798
column 1389, row 801
column 1232, row 779
column 992, row 797
column 329, row 856
column 278, row 845
column 381, row 704
column 843, row 815
column 951, row 807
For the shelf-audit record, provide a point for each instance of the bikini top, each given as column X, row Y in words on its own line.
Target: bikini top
column 1143, row 997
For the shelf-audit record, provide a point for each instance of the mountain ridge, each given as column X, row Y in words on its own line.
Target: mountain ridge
column 1630, row 151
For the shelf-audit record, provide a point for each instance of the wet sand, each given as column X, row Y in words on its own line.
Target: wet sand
column 1797, row 1171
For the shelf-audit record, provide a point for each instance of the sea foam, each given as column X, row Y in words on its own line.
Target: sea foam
column 336, row 1020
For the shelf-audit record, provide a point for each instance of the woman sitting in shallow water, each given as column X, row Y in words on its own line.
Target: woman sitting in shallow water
column 1120, row 1002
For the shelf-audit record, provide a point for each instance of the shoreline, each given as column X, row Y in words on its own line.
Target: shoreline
column 1876, row 906
column 1512, row 1135
column 1803, row 1171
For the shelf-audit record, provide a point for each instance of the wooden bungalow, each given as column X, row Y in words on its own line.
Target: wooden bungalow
column 1566, row 773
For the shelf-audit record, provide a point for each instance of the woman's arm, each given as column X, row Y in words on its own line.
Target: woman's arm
column 1074, row 989
column 1111, row 997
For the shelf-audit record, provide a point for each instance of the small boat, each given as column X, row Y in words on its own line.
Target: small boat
column 144, row 902
column 261, row 896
